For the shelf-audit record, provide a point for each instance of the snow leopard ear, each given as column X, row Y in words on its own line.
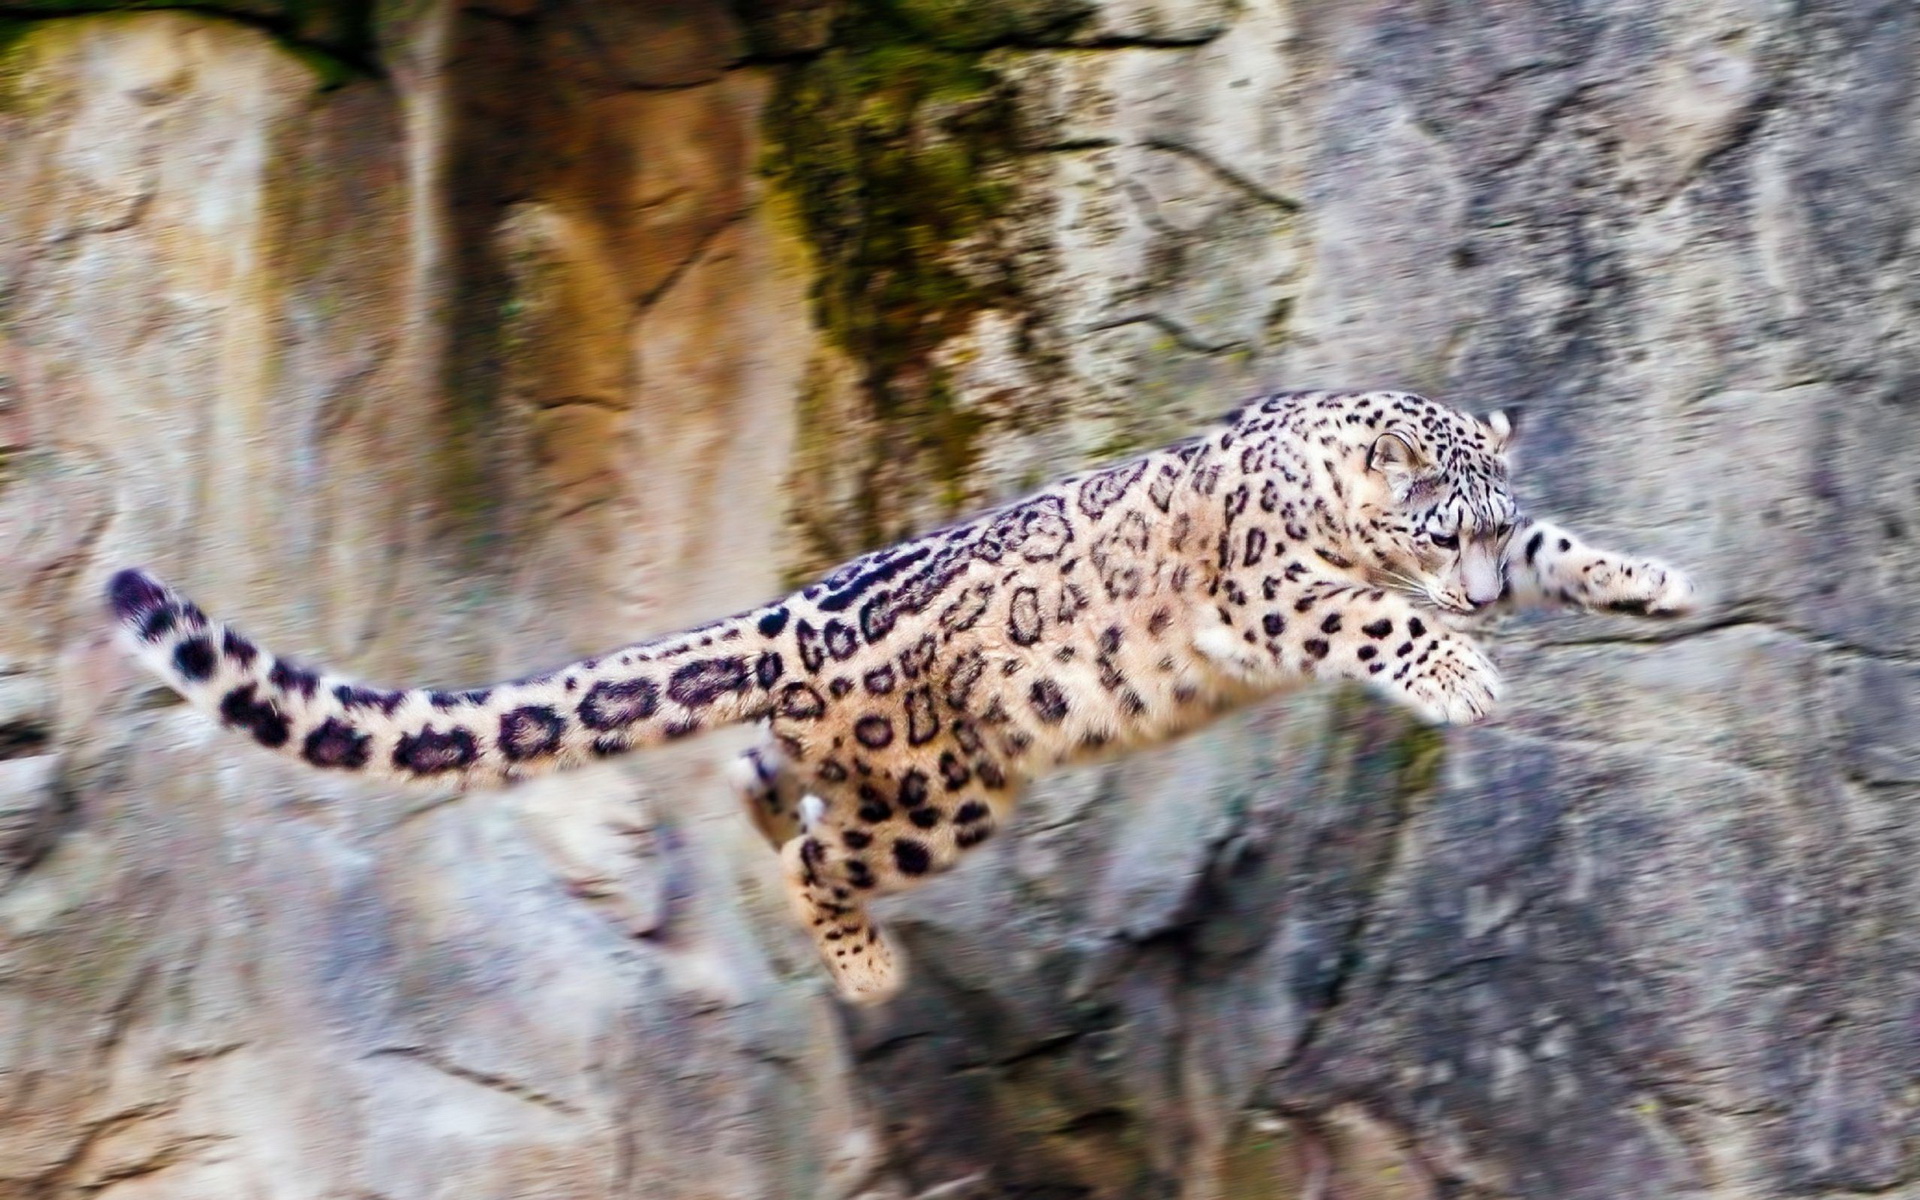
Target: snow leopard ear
column 1503, row 425
column 1393, row 454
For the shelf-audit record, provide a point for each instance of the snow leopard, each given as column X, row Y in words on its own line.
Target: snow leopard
column 908, row 696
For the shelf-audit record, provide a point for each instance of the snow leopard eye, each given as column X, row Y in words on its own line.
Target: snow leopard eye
column 1446, row 541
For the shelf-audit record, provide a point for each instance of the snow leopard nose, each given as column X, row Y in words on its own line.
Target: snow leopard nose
column 1480, row 572
column 1483, row 591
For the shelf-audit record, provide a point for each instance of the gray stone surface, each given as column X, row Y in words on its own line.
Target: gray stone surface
column 587, row 320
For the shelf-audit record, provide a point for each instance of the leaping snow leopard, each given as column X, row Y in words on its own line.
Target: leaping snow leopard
column 910, row 694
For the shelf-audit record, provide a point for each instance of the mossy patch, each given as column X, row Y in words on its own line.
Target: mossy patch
column 1394, row 754
column 1416, row 756
column 13, row 64
column 333, row 38
column 12, row 29
column 896, row 146
column 973, row 25
column 893, row 148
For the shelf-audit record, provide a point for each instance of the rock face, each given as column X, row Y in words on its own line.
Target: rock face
column 548, row 323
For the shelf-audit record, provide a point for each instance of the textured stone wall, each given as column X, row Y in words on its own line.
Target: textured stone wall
column 448, row 342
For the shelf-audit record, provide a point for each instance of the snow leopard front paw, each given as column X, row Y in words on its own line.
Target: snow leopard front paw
column 1645, row 589
column 1451, row 682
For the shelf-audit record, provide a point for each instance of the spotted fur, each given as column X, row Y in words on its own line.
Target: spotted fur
column 910, row 694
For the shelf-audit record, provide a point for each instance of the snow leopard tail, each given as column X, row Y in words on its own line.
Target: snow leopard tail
column 638, row 696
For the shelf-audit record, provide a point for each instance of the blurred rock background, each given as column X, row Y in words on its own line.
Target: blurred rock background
column 448, row 341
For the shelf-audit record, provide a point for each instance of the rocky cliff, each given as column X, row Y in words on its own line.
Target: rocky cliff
column 446, row 342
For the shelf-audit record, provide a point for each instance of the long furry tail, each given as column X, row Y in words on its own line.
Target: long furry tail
column 638, row 696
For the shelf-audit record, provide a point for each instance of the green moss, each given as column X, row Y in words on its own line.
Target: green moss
column 896, row 147
column 13, row 62
column 952, row 439
column 1392, row 752
column 972, row 25
column 891, row 148
column 333, row 38
column 329, row 71
column 1121, row 443
column 1416, row 757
